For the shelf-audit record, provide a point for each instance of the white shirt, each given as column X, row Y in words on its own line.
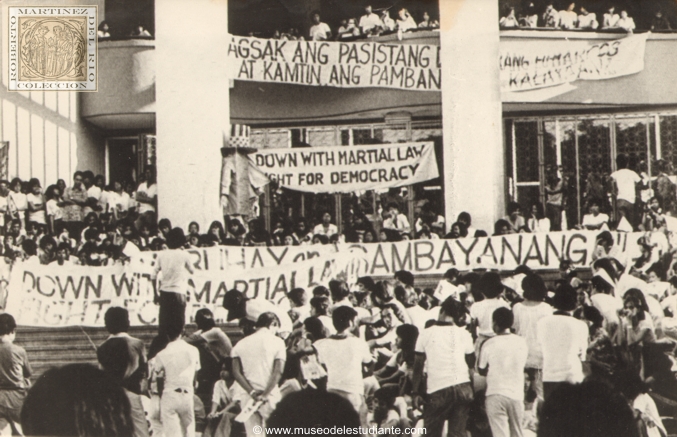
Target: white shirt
column 506, row 356
column 626, row 181
column 445, row 348
column 538, row 225
column 399, row 223
column 173, row 264
column 17, row 201
column 483, row 312
column 328, row 324
column 369, row 21
column 406, row 24
column 567, row 19
column 92, row 192
column 610, row 20
column 564, row 342
column 594, row 220
column 38, row 202
column 222, row 395
column 257, row 354
column 626, row 23
column 150, row 192
column 178, row 361
column 344, row 358
column 319, row 32
column 526, row 320
column 588, row 21
column 419, row 316
column 53, row 209
column 328, row 231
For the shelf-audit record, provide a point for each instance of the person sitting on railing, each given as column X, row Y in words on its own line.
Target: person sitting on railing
column 319, row 31
column 406, row 22
column 103, row 30
column 568, row 19
column 550, row 16
column 509, row 21
column 610, row 20
column 428, row 23
column 587, row 20
column 370, row 22
column 660, row 22
column 626, row 23
column 348, row 29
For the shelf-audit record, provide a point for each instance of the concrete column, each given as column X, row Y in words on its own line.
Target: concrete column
column 474, row 169
column 193, row 108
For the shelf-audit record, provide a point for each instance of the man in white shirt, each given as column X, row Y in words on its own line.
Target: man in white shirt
column 625, row 187
column 319, row 31
column 175, row 265
column 448, row 287
column 369, row 22
column 299, row 306
column 239, row 307
column 446, row 349
column 503, row 360
column 326, row 227
column 626, row 23
column 610, row 19
column 564, row 342
column 595, row 220
column 346, row 358
column 175, row 368
column 258, row 362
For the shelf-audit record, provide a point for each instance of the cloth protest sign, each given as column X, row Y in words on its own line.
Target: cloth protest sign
column 336, row 64
column 555, row 62
column 80, row 295
column 348, row 169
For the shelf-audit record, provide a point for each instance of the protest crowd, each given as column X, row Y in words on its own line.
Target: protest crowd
column 485, row 352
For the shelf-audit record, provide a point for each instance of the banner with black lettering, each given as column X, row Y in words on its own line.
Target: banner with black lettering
column 526, row 66
column 348, row 169
column 541, row 251
column 53, row 296
column 336, row 64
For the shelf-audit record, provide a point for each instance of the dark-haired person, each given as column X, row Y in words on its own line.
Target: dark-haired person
column 590, row 409
column 502, row 361
column 502, row 227
column 538, row 222
column 319, row 307
column 345, row 357
column 214, row 347
column 116, row 320
column 446, row 349
column 313, row 409
column 17, row 202
column 325, row 227
column 396, row 221
column 258, row 362
column 527, row 314
column 175, row 367
column 481, row 312
column 175, row 265
column 515, row 218
column 595, row 220
column 76, row 400
column 146, row 196
column 401, row 364
column 602, row 298
column 564, row 342
column 299, row 306
column 36, row 204
column 636, row 327
column 115, row 363
column 15, row 372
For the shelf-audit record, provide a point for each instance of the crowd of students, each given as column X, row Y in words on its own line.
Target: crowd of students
column 479, row 351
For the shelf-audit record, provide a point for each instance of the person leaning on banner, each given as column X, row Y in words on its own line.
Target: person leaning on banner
column 175, row 265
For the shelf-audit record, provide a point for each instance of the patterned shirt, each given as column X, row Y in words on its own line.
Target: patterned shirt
column 73, row 213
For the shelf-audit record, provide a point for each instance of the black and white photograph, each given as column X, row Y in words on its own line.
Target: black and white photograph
column 250, row 218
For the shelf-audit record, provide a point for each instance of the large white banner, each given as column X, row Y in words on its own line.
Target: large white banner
column 336, row 64
column 76, row 295
column 525, row 66
column 348, row 169
column 80, row 295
